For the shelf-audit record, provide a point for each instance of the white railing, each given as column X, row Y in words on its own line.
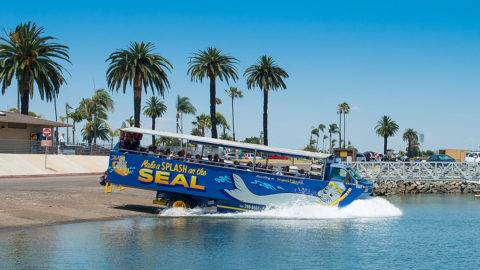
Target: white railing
column 423, row 171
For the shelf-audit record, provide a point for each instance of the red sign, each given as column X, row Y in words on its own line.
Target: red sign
column 47, row 132
column 46, row 142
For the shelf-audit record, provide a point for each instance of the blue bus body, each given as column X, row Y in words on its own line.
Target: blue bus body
column 230, row 188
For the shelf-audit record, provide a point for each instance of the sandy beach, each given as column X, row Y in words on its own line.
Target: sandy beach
column 45, row 201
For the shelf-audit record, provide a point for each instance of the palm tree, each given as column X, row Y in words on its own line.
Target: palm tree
column 101, row 130
column 31, row 58
column 315, row 132
column 339, row 112
column 386, row 127
column 267, row 76
column 155, row 108
column 332, row 129
column 76, row 116
column 97, row 107
column 410, row 136
column 138, row 65
column 345, row 110
column 128, row 122
column 202, row 122
column 321, row 128
column 212, row 63
column 183, row 106
column 67, row 115
column 233, row 92
column 222, row 122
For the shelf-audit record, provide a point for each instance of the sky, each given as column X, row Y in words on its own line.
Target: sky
column 416, row 61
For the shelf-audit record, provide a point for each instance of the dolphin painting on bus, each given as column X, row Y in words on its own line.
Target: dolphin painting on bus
column 188, row 179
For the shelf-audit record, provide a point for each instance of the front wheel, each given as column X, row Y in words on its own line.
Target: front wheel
column 180, row 202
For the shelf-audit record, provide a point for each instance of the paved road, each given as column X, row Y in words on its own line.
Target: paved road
column 56, row 200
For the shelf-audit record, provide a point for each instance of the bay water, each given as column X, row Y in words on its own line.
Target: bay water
column 398, row 232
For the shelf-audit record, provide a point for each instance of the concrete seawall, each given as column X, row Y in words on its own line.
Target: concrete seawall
column 34, row 164
column 416, row 187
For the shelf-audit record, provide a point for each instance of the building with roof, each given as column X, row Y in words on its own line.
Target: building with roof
column 16, row 128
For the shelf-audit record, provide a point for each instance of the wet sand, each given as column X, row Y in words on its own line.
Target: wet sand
column 44, row 201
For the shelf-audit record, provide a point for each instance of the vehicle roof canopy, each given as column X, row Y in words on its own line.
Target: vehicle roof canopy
column 231, row 144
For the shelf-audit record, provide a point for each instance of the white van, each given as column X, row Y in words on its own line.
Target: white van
column 472, row 157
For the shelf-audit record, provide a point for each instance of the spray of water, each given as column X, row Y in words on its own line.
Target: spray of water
column 370, row 208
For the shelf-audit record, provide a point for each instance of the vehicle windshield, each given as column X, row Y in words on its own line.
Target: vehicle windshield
column 357, row 176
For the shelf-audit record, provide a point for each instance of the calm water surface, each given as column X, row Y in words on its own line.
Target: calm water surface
column 417, row 232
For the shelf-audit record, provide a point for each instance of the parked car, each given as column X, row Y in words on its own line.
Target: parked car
column 440, row 158
column 251, row 156
column 277, row 157
column 230, row 156
column 361, row 157
column 472, row 157
column 369, row 155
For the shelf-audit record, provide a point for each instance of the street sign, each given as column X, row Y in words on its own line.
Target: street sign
column 47, row 132
column 46, row 143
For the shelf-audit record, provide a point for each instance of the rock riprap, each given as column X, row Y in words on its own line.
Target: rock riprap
column 384, row 188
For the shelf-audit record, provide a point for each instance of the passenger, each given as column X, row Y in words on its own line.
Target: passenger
column 216, row 158
column 250, row 166
column 197, row 159
column 168, row 153
column 210, row 159
column 128, row 144
column 270, row 168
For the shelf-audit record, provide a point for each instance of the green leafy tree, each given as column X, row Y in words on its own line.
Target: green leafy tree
column 32, row 58
column 332, row 129
column 254, row 140
column 410, row 136
column 183, row 107
column 154, row 109
column 196, row 132
column 267, row 76
column 212, row 63
column 310, row 148
column 140, row 66
column 234, row 93
column 203, row 123
column 100, row 130
column 385, row 128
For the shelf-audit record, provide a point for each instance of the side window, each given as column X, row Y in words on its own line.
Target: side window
column 341, row 175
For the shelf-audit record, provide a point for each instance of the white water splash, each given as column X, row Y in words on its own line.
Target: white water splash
column 369, row 208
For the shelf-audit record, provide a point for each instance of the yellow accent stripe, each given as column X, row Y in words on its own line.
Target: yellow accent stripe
column 234, row 208
column 339, row 190
column 341, row 198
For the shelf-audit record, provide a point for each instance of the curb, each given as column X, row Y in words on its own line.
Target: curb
column 49, row 175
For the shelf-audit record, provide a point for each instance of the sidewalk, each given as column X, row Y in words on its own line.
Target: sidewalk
column 19, row 165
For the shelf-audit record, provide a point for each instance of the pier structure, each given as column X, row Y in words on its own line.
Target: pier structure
column 418, row 171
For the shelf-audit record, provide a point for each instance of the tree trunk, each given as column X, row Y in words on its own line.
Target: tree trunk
column 95, row 125
column 233, row 120
column 25, row 93
column 330, row 145
column 265, row 116
column 153, row 128
column 178, row 117
column 340, row 132
column 73, row 132
column 344, row 131
column 316, row 146
column 137, row 98
column 409, row 150
column 181, row 123
column 385, row 145
column 213, row 107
